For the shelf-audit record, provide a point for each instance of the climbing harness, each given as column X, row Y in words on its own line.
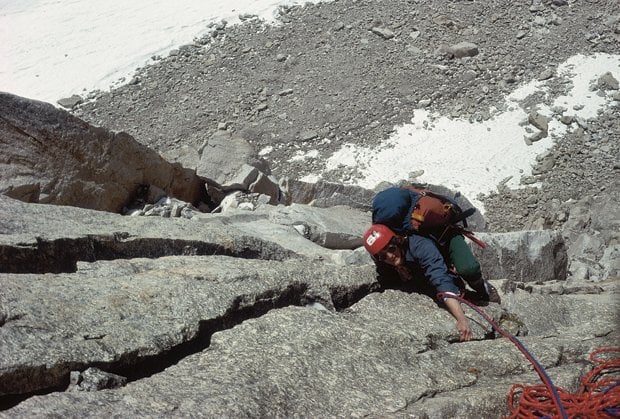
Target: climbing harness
column 599, row 396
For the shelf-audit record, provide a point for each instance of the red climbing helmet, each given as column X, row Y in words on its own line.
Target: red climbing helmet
column 377, row 237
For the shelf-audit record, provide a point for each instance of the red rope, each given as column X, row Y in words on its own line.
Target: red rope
column 599, row 396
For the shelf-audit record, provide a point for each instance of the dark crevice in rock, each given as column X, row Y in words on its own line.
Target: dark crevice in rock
column 134, row 367
column 49, row 380
column 343, row 297
column 426, row 395
column 11, row 400
column 62, row 255
column 5, row 318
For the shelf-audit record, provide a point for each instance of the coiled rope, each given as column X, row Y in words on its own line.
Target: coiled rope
column 599, row 396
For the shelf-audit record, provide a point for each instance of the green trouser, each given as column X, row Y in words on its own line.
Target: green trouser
column 466, row 263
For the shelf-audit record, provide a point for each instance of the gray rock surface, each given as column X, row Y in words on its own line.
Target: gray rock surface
column 50, row 156
column 368, row 360
column 325, row 194
column 333, row 228
column 592, row 231
column 58, row 323
column 525, row 256
column 270, row 327
column 41, row 239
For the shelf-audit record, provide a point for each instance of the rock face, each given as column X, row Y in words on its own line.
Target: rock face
column 228, row 163
column 50, row 156
column 525, row 256
column 271, row 312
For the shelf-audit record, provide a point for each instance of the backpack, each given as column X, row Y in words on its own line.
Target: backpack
column 410, row 210
column 433, row 211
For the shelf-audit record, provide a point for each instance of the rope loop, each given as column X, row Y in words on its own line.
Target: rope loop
column 599, row 396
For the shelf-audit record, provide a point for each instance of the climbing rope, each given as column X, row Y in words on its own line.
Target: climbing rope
column 599, row 396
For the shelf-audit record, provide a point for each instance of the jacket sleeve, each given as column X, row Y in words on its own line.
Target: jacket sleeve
column 433, row 266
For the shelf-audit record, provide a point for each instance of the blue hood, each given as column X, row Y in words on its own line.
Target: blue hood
column 392, row 207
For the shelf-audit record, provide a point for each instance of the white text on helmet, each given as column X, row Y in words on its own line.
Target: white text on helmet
column 372, row 238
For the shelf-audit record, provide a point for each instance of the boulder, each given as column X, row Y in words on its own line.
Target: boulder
column 70, row 102
column 592, row 233
column 325, row 194
column 267, row 185
column 525, row 256
column 227, row 162
column 49, row 156
column 607, row 81
column 338, row 227
column 463, row 49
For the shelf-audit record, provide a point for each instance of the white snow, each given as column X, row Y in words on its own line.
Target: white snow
column 265, row 151
column 301, row 155
column 475, row 157
column 51, row 49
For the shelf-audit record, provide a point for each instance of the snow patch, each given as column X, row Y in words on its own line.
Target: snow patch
column 52, row 49
column 475, row 157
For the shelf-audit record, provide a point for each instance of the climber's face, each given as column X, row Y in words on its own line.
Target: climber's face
column 390, row 254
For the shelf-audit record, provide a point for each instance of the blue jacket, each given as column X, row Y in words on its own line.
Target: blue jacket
column 423, row 254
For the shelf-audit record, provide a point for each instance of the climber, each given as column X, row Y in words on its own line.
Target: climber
column 437, row 256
